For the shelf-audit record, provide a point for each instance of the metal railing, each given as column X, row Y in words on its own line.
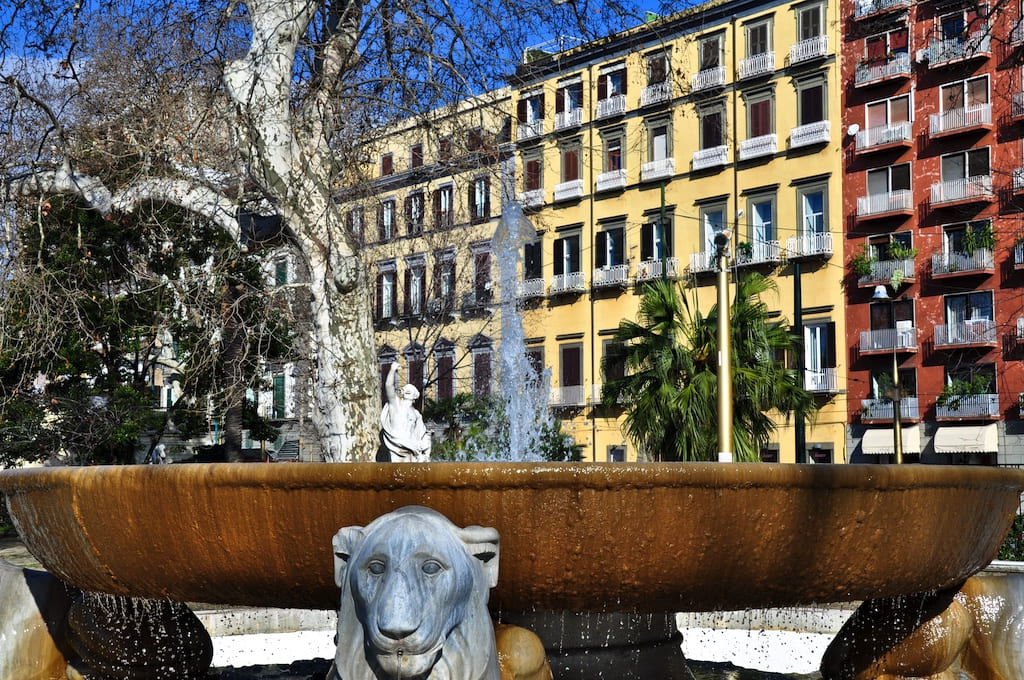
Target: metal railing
column 956, row 262
column 964, row 118
column 656, row 93
column 811, row 133
column 614, row 275
column 710, row 158
column 808, row 48
column 880, row 204
column 533, row 198
column 962, row 189
column 530, row 288
column 614, row 105
column 865, row 8
column 970, row 406
column 704, row 261
column 761, row 252
column 970, row 332
column 569, row 119
column 820, row 380
column 882, row 271
column 888, row 339
column 757, row 64
column 755, row 147
column 613, row 179
column 567, row 283
column 708, row 78
column 648, row 270
column 566, row 191
column 664, row 168
column 894, row 133
column 530, row 130
column 571, row 395
column 898, row 65
column 810, row 245
column 954, row 49
column 882, row 409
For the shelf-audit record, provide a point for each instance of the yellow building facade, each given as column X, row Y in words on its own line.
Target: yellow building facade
column 628, row 155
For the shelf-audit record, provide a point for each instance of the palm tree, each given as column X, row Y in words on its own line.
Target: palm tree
column 670, row 389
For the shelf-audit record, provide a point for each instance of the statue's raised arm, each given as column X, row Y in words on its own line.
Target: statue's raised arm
column 403, row 432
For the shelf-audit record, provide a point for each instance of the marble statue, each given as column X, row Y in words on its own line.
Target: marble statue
column 973, row 633
column 414, row 591
column 403, row 433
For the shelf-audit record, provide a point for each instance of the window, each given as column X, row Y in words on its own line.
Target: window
column 965, row 164
column 956, row 238
column 281, row 271
column 571, row 356
column 613, row 363
column 569, row 96
column 481, row 276
column 570, row 163
column 889, row 179
column 414, row 209
column 762, row 219
column 386, row 220
column 415, row 285
column 892, row 314
column 616, row 454
column 711, row 52
column 966, row 307
column 660, row 143
column 278, row 407
column 811, row 209
column 888, row 112
column 444, row 148
column 655, row 240
column 533, row 175
column 567, row 255
column 957, row 25
column 444, row 279
column 416, row 156
column 712, row 126
column 964, row 93
column 444, row 359
column 880, row 247
column 531, row 108
column 611, row 82
column 387, row 291
column 480, row 199
column 354, row 224
column 481, row 354
column 978, row 374
column 444, row 208
column 535, row 360
column 712, row 221
column 612, row 153
column 414, row 359
column 758, row 38
column 882, row 387
column 475, row 139
column 657, row 68
column 821, row 453
column 809, row 22
column 387, row 165
column 820, row 354
column 609, row 247
column 881, row 47
column 811, row 101
column 759, row 116
column 533, row 260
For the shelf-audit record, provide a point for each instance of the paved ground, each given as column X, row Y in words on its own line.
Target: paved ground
column 12, row 550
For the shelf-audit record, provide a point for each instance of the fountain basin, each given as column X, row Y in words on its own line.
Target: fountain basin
column 578, row 537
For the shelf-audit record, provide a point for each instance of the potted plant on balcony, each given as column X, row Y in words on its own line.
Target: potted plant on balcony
column 976, row 238
column 954, row 392
column 898, row 251
column 745, row 250
column 861, row 263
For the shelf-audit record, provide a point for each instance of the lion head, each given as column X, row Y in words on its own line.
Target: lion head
column 414, row 590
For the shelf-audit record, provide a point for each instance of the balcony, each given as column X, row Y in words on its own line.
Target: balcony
column 882, row 271
column 530, row 130
column 866, row 8
column 612, row 180
column 648, row 270
column 563, row 284
column 569, row 191
column 970, row 407
column 1017, row 34
column 964, row 190
column 1017, row 106
column 821, row 381
column 808, row 49
column 758, row 147
column 955, row 264
column 533, row 198
column 885, row 137
column 810, row 134
column 1018, row 180
column 757, row 65
column 954, row 121
column 888, row 204
column 530, row 288
column 809, row 246
column 568, row 396
column 896, row 67
column 887, row 340
column 615, row 276
column 703, row 262
column 708, row 79
column 715, row 157
column 881, row 410
column 758, row 253
column 614, row 105
column 658, row 93
column 652, row 171
column 970, row 333
column 566, row 120
column 943, row 52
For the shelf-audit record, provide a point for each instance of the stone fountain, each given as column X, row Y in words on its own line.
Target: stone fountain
column 604, row 538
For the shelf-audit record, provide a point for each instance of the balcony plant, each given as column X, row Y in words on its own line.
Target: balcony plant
column 745, row 249
column 975, row 239
column 861, row 263
column 898, row 251
column 957, row 389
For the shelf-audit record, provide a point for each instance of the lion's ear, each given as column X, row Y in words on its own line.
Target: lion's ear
column 345, row 542
column 482, row 543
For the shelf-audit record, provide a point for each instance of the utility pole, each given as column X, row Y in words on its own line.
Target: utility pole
column 725, row 453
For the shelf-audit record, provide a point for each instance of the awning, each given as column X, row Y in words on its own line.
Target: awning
column 967, row 439
column 878, row 441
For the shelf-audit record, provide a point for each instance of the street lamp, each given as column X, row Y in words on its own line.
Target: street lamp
column 897, row 426
column 722, row 238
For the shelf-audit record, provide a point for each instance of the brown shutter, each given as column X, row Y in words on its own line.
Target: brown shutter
column 521, row 110
column 602, row 87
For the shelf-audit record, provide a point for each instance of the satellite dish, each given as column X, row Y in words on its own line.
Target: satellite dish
column 853, row 129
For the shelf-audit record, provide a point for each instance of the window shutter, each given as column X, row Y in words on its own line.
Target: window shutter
column 602, row 87
column 572, row 373
column 570, row 165
column 487, row 197
column 559, row 262
column 437, row 279
column 666, row 237
column 444, row 378
column 540, row 107
column 647, row 241
column 578, row 87
column 618, row 246
column 574, row 254
column 625, row 81
column 394, row 294
column 407, row 293
column 532, row 260
column 481, row 373
column 830, row 347
column 471, row 201
column 521, row 110
column 380, row 297
column 437, row 207
column 560, row 100
column 600, row 249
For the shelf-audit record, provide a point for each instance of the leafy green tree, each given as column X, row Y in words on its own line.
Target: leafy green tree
column 670, row 390
column 93, row 308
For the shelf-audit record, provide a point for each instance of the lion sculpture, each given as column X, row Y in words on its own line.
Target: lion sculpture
column 973, row 633
column 414, row 591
